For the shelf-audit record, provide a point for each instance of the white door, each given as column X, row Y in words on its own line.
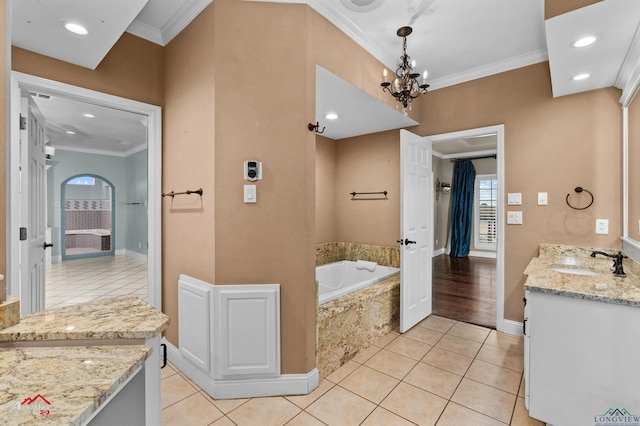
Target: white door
column 32, row 204
column 416, row 225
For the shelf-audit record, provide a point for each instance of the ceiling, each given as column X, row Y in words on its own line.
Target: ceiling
column 614, row 23
column 454, row 40
column 83, row 127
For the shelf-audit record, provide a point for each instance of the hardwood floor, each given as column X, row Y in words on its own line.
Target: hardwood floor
column 464, row 289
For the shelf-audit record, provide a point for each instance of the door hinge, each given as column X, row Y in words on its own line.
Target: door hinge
column 23, row 233
column 23, row 122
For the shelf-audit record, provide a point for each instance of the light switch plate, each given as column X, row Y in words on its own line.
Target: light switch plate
column 514, row 218
column 250, row 195
column 542, row 198
column 514, row 198
column 602, row 226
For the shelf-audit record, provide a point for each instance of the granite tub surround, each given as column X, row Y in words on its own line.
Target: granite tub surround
column 602, row 287
column 337, row 251
column 9, row 312
column 62, row 386
column 123, row 317
column 353, row 322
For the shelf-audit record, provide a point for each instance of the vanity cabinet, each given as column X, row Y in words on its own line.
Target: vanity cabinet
column 582, row 359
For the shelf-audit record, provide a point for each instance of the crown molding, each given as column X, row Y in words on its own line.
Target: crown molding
column 628, row 79
column 122, row 154
column 337, row 17
column 491, row 69
column 331, row 12
column 147, row 32
column 179, row 21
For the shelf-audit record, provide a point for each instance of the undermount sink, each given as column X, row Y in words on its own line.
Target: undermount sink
column 574, row 271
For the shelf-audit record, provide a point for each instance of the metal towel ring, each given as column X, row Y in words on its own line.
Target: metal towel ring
column 579, row 189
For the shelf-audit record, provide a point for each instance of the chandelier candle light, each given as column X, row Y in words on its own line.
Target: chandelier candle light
column 405, row 87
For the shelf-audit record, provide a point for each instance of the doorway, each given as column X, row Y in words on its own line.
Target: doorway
column 87, row 216
column 152, row 117
column 484, row 265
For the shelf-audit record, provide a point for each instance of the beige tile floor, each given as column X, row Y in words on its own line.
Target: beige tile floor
column 83, row 280
column 440, row 372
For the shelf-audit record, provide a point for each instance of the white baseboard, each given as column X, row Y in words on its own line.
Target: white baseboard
column 473, row 253
column 284, row 384
column 487, row 254
column 512, row 327
column 136, row 255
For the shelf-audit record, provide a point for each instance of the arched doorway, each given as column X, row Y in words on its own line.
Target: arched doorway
column 87, row 217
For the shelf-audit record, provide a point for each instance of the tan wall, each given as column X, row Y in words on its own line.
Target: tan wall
column 325, row 190
column 262, row 108
column 558, row 7
column 634, row 170
column 188, row 222
column 4, row 65
column 551, row 145
column 368, row 163
column 132, row 69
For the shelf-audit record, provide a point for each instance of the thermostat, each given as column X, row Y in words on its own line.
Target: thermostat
column 252, row 170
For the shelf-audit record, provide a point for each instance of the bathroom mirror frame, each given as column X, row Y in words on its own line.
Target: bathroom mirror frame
column 630, row 245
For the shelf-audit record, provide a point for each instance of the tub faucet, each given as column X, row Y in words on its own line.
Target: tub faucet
column 617, row 262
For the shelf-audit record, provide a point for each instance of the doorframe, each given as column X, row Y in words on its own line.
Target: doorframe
column 154, row 173
column 501, row 324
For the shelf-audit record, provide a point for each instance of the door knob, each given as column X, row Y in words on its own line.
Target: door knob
column 408, row 241
column 47, row 245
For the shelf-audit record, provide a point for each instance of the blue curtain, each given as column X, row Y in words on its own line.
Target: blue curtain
column 464, row 176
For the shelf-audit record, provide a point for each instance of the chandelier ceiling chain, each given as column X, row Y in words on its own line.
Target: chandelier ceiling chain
column 404, row 86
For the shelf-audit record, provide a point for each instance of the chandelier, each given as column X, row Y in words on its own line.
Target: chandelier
column 405, row 87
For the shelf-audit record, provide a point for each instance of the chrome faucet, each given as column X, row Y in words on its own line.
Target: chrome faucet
column 617, row 262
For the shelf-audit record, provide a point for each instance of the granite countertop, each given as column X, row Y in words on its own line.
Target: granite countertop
column 603, row 287
column 67, row 383
column 344, row 303
column 124, row 317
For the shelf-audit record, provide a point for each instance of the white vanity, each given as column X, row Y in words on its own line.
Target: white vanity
column 582, row 342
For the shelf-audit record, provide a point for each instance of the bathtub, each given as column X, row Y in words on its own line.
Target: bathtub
column 341, row 278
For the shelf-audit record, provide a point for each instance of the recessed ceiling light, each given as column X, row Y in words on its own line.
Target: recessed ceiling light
column 582, row 76
column 331, row 116
column 86, row 114
column 76, row 28
column 585, row 41
column 70, row 132
column 361, row 5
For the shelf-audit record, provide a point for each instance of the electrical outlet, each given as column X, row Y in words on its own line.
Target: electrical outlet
column 602, row 226
column 542, row 198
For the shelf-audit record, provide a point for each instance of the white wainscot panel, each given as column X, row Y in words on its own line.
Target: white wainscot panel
column 246, row 334
column 194, row 320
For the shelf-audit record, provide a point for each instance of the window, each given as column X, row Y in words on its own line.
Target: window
column 485, row 212
column 82, row 180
